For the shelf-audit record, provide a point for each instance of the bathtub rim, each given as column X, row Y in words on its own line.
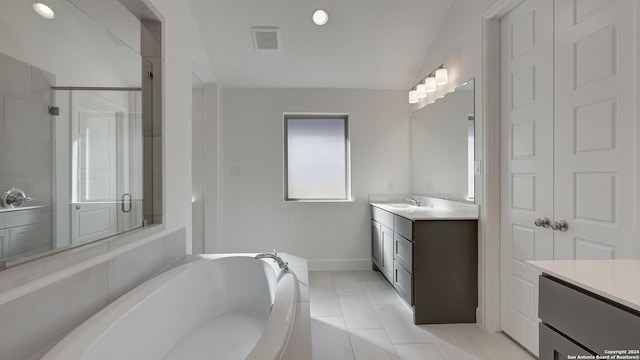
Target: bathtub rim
column 79, row 340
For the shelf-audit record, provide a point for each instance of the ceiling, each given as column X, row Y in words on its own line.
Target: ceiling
column 367, row 44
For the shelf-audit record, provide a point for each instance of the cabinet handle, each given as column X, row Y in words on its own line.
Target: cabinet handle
column 560, row 225
column 543, row 222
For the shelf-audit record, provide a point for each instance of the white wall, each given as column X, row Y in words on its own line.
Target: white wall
column 211, row 165
column 181, row 40
column 197, row 168
column 253, row 217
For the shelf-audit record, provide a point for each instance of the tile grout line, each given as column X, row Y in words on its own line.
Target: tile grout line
column 380, row 320
column 353, row 352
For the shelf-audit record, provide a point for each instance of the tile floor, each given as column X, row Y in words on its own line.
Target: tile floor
column 357, row 315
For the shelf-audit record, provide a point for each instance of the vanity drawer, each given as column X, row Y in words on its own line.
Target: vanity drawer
column 555, row 346
column 403, row 252
column 402, row 281
column 382, row 216
column 26, row 217
column 403, row 226
column 597, row 323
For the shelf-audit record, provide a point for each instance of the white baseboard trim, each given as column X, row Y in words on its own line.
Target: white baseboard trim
column 339, row 264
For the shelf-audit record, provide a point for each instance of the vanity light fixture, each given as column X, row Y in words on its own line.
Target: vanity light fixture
column 413, row 96
column 437, row 77
column 431, row 84
column 320, row 17
column 441, row 76
column 422, row 91
column 44, row 10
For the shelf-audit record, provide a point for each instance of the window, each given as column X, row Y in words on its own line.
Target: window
column 316, row 157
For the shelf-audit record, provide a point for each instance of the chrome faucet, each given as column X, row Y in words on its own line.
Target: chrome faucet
column 413, row 201
column 283, row 265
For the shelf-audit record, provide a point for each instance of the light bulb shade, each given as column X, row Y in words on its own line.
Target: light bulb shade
column 430, row 83
column 422, row 91
column 441, row 76
column 320, row 17
column 413, row 96
column 44, row 10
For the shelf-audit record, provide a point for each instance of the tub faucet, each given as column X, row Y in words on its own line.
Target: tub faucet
column 283, row 265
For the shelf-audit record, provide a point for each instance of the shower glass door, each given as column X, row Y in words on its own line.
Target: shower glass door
column 105, row 162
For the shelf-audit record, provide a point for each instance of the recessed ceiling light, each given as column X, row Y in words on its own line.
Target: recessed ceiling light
column 44, row 10
column 320, row 17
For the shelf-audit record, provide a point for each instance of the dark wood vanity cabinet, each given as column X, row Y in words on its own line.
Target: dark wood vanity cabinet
column 445, row 271
column 578, row 322
column 434, row 265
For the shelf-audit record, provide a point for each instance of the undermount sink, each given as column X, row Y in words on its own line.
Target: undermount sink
column 401, row 206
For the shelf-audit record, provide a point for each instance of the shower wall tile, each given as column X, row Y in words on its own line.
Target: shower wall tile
column 23, row 183
column 37, row 319
column 27, row 119
column 41, row 83
column 147, row 178
column 157, row 176
column 23, row 157
column 15, row 77
column 42, row 190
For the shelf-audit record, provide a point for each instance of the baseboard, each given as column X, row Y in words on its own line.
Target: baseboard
column 339, row 264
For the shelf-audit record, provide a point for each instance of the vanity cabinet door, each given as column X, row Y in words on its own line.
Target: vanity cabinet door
column 376, row 243
column 382, row 248
column 3, row 244
column 387, row 252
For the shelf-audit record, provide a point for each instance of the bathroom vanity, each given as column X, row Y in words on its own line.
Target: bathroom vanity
column 24, row 231
column 589, row 307
column 430, row 256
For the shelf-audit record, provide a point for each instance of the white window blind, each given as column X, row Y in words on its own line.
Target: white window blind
column 316, row 157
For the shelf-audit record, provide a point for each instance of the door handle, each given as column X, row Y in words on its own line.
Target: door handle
column 543, row 222
column 560, row 225
column 124, row 199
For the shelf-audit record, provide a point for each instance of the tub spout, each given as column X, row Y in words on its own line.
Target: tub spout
column 283, row 265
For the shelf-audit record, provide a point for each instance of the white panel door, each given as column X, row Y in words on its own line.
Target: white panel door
column 595, row 125
column 526, row 162
column 94, row 205
column 568, row 143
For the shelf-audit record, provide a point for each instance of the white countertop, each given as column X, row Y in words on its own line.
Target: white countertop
column 3, row 209
column 462, row 212
column 617, row 280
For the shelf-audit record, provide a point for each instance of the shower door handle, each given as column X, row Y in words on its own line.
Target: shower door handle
column 126, row 198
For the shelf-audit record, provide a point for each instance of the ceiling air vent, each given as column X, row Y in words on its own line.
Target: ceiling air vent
column 265, row 37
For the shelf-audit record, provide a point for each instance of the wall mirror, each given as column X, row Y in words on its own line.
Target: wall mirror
column 442, row 146
column 75, row 121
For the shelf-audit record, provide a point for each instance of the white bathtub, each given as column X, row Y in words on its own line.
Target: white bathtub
column 215, row 308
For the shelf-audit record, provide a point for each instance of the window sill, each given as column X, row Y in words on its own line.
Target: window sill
column 291, row 203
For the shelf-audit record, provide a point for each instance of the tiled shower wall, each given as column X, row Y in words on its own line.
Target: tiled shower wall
column 26, row 129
